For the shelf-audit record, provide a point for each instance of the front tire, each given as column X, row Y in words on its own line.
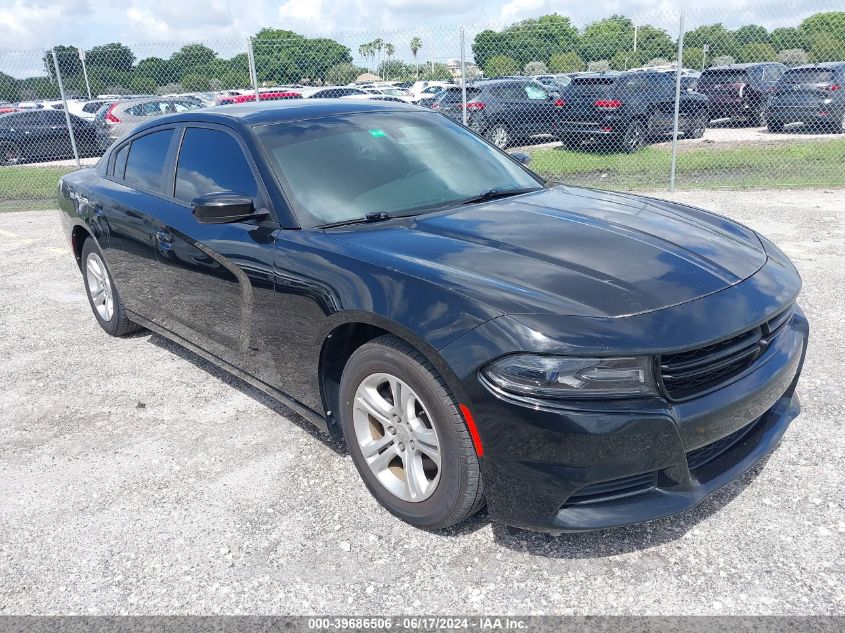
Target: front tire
column 10, row 153
column 407, row 437
column 697, row 126
column 633, row 138
column 102, row 293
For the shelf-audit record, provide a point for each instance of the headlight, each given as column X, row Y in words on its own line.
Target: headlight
column 572, row 377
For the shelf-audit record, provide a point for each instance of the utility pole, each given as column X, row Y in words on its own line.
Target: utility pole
column 677, row 103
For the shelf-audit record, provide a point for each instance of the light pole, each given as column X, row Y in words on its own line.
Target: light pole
column 85, row 71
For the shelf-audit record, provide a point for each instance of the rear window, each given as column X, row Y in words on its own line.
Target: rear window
column 808, row 76
column 724, row 76
column 92, row 107
column 146, row 158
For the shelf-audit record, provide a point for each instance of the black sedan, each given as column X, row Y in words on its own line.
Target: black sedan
column 43, row 135
column 573, row 358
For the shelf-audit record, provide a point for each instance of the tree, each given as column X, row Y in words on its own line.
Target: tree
column 189, row 57
column 114, row 55
column 758, row 52
column 720, row 40
column 143, row 85
column 566, row 62
column 416, row 45
column 598, row 66
column 535, row 68
column 389, row 50
column 752, row 34
column 623, row 60
column 793, row 57
column 602, row 39
column 284, row 56
column 69, row 63
column 161, row 71
column 438, row 72
column 9, row 88
column 529, row 40
column 827, row 48
column 394, row 69
column 789, row 38
column 656, row 62
column 235, row 79
column 652, row 42
column 830, row 24
column 693, row 57
column 501, row 65
column 722, row 60
column 195, row 82
column 341, row 74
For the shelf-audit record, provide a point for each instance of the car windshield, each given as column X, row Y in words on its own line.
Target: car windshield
column 808, row 76
column 346, row 167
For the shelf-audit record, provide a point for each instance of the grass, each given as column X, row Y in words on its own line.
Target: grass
column 23, row 188
column 799, row 164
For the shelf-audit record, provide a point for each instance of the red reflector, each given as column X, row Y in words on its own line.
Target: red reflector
column 474, row 105
column 823, row 113
column 473, row 430
column 559, row 103
column 435, row 106
column 607, row 129
column 832, row 88
column 608, row 104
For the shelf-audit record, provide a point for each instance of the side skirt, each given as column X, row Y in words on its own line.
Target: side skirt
column 306, row 412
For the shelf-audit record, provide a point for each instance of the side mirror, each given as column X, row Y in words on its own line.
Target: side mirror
column 522, row 157
column 223, row 207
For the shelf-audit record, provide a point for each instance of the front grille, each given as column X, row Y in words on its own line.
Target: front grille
column 689, row 373
column 613, row 489
column 700, row 456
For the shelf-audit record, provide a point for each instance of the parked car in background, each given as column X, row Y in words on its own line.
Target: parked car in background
column 422, row 89
column 264, row 95
column 626, row 110
column 29, row 105
column 43, row 135
column 553, row 83
column 813, row 95
column 377, row 97
column 85, row 109
column 505, row 110
column 333, row 92
column 574, row 359
column 447, row 97
column 121, row 117
column 740, row 91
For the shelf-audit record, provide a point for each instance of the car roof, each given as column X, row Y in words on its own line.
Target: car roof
column 264, row 112
column 742, row 66
column 829, row 65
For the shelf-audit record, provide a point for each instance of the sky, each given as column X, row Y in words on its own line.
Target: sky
column 157, row 27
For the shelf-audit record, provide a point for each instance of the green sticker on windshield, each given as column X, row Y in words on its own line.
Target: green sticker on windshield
column 377, row 133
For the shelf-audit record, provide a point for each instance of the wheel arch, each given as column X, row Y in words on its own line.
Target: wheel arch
column 346, row 333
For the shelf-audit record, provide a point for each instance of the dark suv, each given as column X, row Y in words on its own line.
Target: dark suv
column 813, row 95
column 503, row 110
column 625, row 110
column 740, row 91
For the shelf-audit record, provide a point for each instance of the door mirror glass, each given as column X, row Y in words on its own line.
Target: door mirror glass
column 223, row 207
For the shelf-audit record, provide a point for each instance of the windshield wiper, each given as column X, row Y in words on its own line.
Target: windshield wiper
column 493, row 194
column 377, row 216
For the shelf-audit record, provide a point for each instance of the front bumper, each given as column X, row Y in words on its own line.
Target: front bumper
column 596, row 465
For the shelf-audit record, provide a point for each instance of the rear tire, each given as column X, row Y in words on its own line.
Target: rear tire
column 499, row 135
column 697, row 126
column 633, row 138
column 428, row 488
column 10, row 153
column 775, row 127
column 102, row 294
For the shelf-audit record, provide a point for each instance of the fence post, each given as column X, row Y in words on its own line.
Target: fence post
column 463, row 78
column 680, row 63
column 253, row 73
column 64, row 103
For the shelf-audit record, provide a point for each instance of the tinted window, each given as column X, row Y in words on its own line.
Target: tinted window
column 120, row 162
column 209, row 161
column 55, row 117
column 92, row 107
column 724, row 76
column 26, row 118
column 808, row 76
column 146, row 158
column 535, row 92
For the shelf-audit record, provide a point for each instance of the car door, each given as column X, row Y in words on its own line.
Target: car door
column 129, row 198
column 31, row 130
column 539, row 108
column 214, row 274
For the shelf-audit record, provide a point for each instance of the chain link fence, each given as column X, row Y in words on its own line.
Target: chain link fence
column 643, row 102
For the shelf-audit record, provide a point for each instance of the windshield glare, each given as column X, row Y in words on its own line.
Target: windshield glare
column 344, row 167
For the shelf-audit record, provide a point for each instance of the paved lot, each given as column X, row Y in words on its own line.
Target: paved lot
column 135, row 478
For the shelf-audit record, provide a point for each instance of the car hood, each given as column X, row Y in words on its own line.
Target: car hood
column 567, row 251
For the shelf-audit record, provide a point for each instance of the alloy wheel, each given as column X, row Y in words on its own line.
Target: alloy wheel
column 9, row 154
column 396, row 436
column 99, row 286
column 499, row 137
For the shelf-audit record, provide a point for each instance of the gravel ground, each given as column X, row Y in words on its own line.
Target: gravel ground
column 135, row 478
